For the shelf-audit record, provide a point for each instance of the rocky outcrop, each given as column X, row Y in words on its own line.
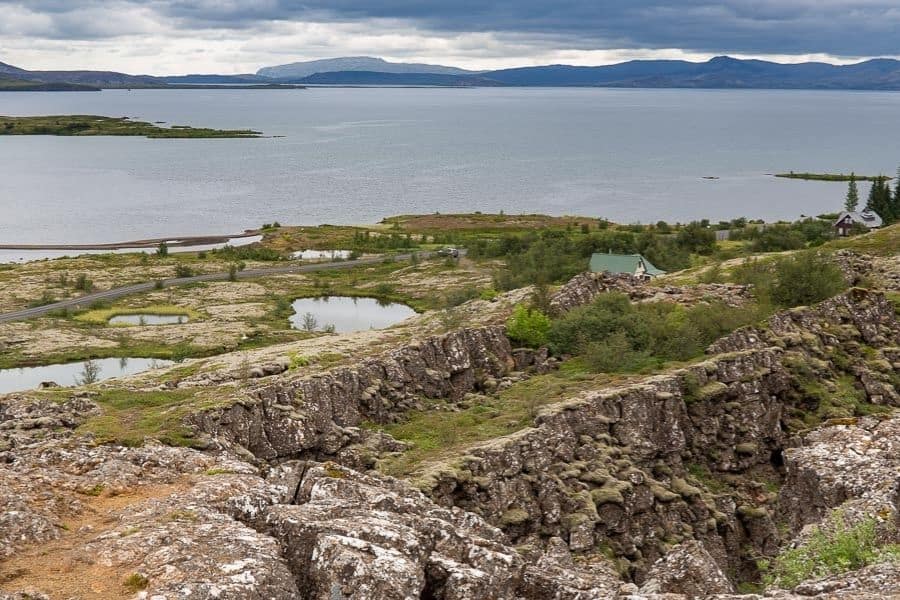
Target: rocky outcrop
column 670, row 486
column 630, row 467
column 689, row 570
column 610, row 468
column 296, row 416
column 583, row 288
column 853, row 465
column 354, row 536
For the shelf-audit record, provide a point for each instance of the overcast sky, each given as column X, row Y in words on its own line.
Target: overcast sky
column 240, row 36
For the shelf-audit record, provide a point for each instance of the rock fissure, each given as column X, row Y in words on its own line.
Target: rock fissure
column 672, row 484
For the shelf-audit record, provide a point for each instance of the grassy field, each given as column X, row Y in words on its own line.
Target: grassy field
column 91, row 125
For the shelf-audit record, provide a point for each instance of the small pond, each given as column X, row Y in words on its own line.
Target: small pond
column 149, row 319
column 347, row 313
column 69, row 374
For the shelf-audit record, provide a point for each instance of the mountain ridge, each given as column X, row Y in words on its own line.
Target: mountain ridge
column 354, row 63
column 721, row 72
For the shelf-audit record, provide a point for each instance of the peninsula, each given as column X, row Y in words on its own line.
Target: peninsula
column 830, row 176
column 92, row 125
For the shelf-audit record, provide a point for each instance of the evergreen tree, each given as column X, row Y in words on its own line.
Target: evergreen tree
column 852, row 200
column 895, row 201
column 880, row 199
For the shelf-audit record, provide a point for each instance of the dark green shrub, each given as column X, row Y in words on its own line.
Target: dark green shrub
column 806, row 278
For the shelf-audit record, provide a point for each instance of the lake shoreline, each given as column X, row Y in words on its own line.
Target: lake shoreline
column 181, row 241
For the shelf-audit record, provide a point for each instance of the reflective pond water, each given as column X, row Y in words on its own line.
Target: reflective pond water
column 28, row 378
column 145, row 319
column 347, row 313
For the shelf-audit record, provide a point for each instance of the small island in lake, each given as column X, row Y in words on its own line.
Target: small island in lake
column 830, row 176
column 121, row 126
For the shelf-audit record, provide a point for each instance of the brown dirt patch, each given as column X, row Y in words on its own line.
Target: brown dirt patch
column 61, row 569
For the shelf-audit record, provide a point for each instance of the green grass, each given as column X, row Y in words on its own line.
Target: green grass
column 130, row 417
column 437, row 434
column 101, row 316
column 828, row 176
column 882, row 242
column 832, row 549
column 91, row 125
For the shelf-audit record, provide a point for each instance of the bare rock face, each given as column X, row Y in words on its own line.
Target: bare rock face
column 869, row 583
column 854, row 466
column 356, row 537
column 294, row 417
column 689, row 570
column 193, row 544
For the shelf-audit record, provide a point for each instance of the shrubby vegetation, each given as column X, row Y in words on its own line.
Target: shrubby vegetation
column 552, row 256
column 614, row 335
column 528, row 326
column 366, row 241
column 797, row 280
column 785, row 236
column 833, row 548
column 241, row 253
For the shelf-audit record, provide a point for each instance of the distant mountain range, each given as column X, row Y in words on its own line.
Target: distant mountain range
column 299, row 70
column 720, row 72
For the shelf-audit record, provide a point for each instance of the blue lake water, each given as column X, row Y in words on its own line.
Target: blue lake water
column 357, row 155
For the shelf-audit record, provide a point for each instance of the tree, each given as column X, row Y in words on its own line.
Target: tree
column 894, row 203
column 852, row 201
column 309, row 323
column 162, row 250
column 880, row 199
column 90, row 373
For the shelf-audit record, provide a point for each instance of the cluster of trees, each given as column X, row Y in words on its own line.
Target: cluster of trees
column 613, row 335
column 785, row 236
column 551, row 256
column 882, row 200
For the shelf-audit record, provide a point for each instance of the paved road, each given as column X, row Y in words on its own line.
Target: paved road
column 138, row 288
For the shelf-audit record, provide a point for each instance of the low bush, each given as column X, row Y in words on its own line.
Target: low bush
column 251, row 252
column 457, row 296
column 798, row 280
column 806, row 278
column 528, row 326
column 833, row 548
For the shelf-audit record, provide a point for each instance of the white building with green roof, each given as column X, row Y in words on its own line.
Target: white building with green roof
column 629, row 264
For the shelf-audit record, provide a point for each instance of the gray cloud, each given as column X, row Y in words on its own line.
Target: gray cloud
column 834, row 27
column 840, row 27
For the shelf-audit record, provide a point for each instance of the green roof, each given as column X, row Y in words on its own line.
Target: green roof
column 622, row 263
